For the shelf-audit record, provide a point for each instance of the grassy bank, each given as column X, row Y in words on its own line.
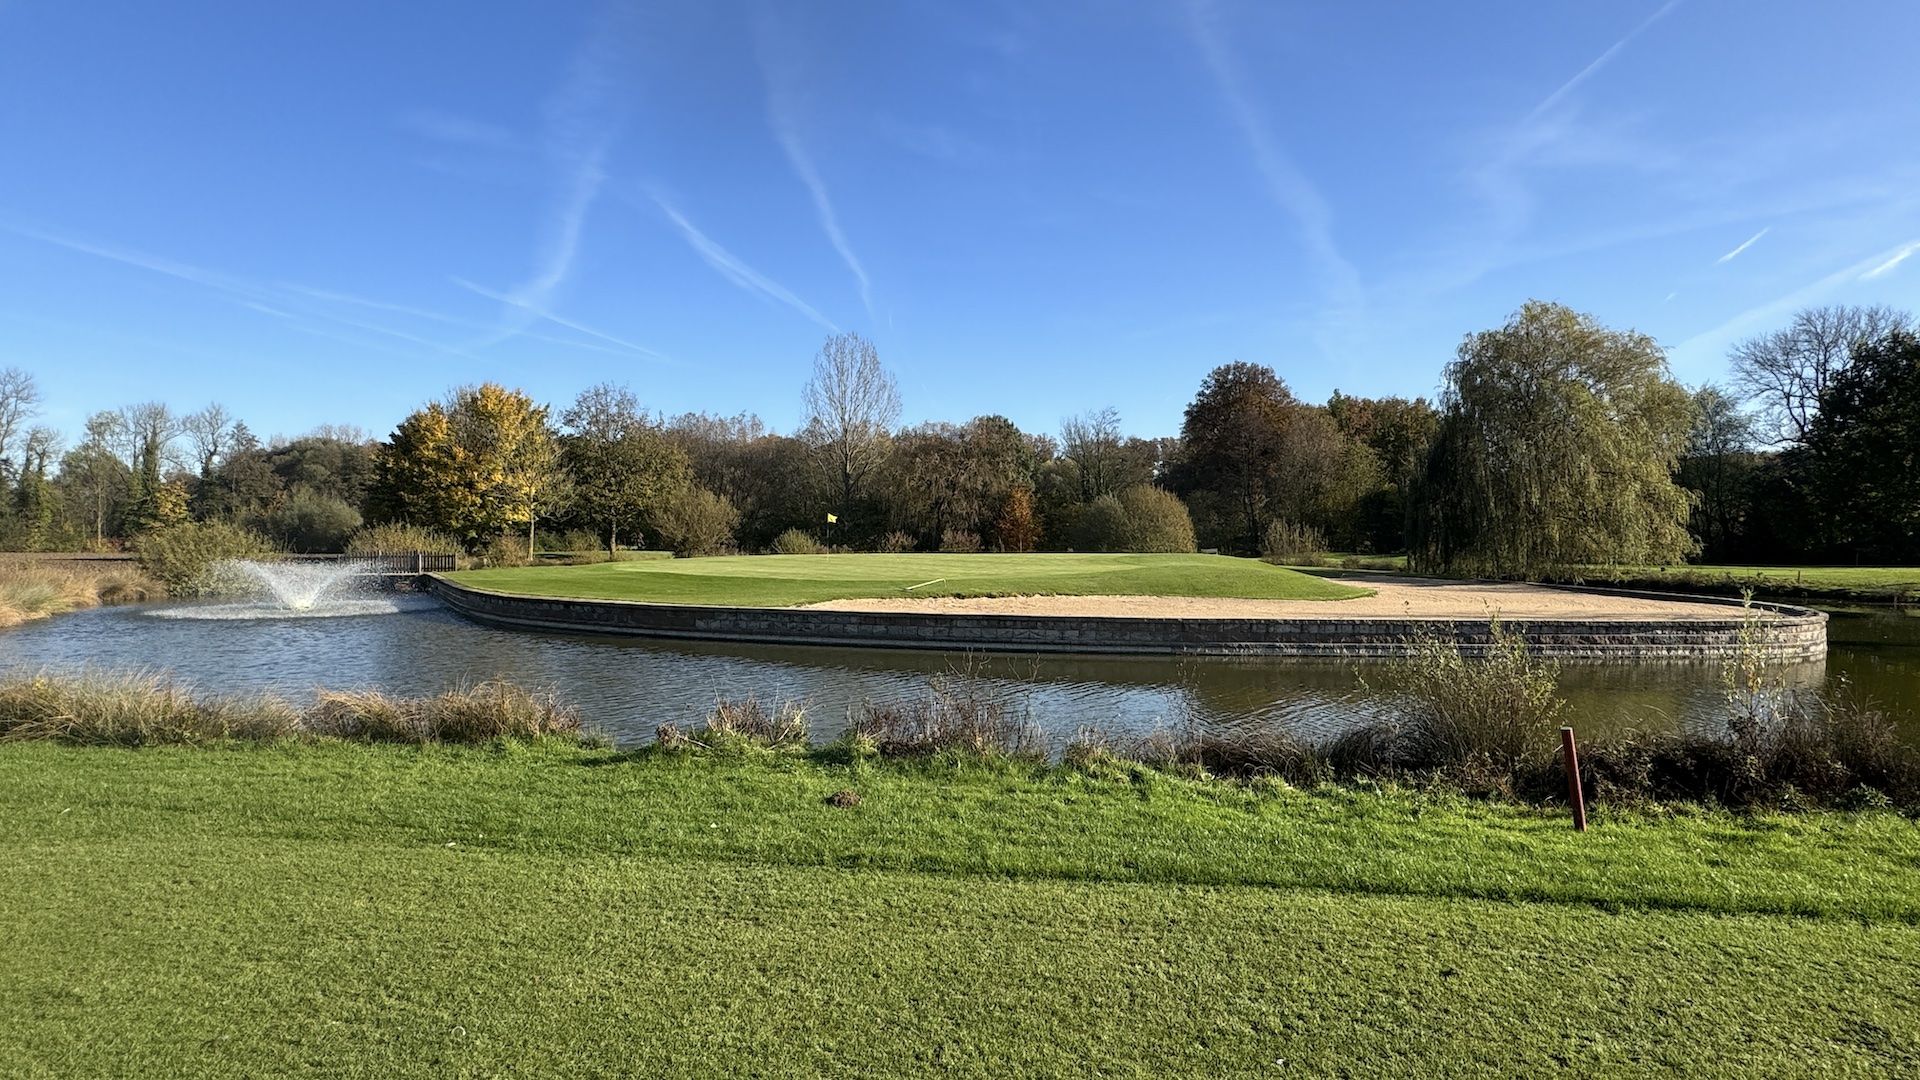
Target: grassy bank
column 1869, row 584
column 784, row 580
column 376, row 910
column 32, row 588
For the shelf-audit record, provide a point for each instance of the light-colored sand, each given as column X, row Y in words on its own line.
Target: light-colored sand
column 1399, row 598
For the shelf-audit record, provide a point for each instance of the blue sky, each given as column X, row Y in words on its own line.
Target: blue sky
column 332, row 212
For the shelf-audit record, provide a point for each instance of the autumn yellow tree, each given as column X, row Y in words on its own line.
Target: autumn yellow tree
column 480, row 463
column 1017, row 529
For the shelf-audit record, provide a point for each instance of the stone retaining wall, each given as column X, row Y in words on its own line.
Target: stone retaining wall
column 1789, row 633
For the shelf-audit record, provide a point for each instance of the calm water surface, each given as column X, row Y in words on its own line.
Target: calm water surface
column 627, row 687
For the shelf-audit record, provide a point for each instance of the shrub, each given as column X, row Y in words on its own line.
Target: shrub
column 571, row 542
column 1372, row 562
column 959, row 715
column 505, row 549
column 698, row 522
column 308, row 522
column 960, row 541
column 1291, row 544
column 1102, row 526
column 186, row 559
column 796, row 542
column 896, row 542
column 1156, row 520
column 399, row 538
column 1485, row 719
column 736, row 724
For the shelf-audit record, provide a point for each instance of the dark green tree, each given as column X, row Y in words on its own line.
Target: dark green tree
column 624, row 468
column 1863, row 452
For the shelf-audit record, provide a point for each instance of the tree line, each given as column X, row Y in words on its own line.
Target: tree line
column 1555, row 443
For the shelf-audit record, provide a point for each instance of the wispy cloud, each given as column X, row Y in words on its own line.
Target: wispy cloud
column 1289, row 187
column 776, row 70
column 457, row 130
column 257, row 297
column 1893, row 261
column 538, row 313
column 729, row 266
column 1778, row 308
column 582, row 119
column 1505, row 164
column 469, row 324
column 1600, row 61
column 307, row 309
column 1744, row 245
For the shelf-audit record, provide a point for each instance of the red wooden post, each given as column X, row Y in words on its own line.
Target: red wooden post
column 1571, row 754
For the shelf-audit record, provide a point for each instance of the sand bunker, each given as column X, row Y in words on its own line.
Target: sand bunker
column 1408, row 598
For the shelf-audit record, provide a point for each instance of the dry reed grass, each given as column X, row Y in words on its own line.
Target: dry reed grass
column 146, row 709
column 35, row 589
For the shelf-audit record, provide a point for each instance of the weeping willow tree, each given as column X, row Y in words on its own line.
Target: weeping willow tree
column 1557, row 448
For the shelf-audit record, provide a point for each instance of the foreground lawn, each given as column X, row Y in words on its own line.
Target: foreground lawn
column 378, row 911
column 784, row 580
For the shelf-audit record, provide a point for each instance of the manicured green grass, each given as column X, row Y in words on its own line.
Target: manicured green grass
column 546, row 910
column 783, row 580
column 1858, row 581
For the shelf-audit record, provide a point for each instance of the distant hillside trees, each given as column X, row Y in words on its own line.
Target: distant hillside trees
column 1557, row 448
column 1558, row 443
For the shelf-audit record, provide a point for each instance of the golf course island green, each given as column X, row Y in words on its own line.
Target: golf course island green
column 790, row 580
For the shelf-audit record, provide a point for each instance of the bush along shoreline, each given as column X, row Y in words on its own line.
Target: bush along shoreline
column 1485, row 727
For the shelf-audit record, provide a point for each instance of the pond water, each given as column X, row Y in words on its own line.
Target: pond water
column 626, row 687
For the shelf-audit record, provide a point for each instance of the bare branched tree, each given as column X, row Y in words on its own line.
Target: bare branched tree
column 19, row 403
column 852, row 405
column 1092, row 442
column 211, row 434
column 144, row 434
column 1784, row 372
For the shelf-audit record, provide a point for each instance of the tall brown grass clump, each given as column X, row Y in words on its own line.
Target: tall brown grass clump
column 481, row 713
column 963, row 714
column 133, row 710
column 737, row 723
column 397, row 538
column 151, row 710
column 34, row 589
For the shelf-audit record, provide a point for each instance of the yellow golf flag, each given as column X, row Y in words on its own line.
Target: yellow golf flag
column 832, row 519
